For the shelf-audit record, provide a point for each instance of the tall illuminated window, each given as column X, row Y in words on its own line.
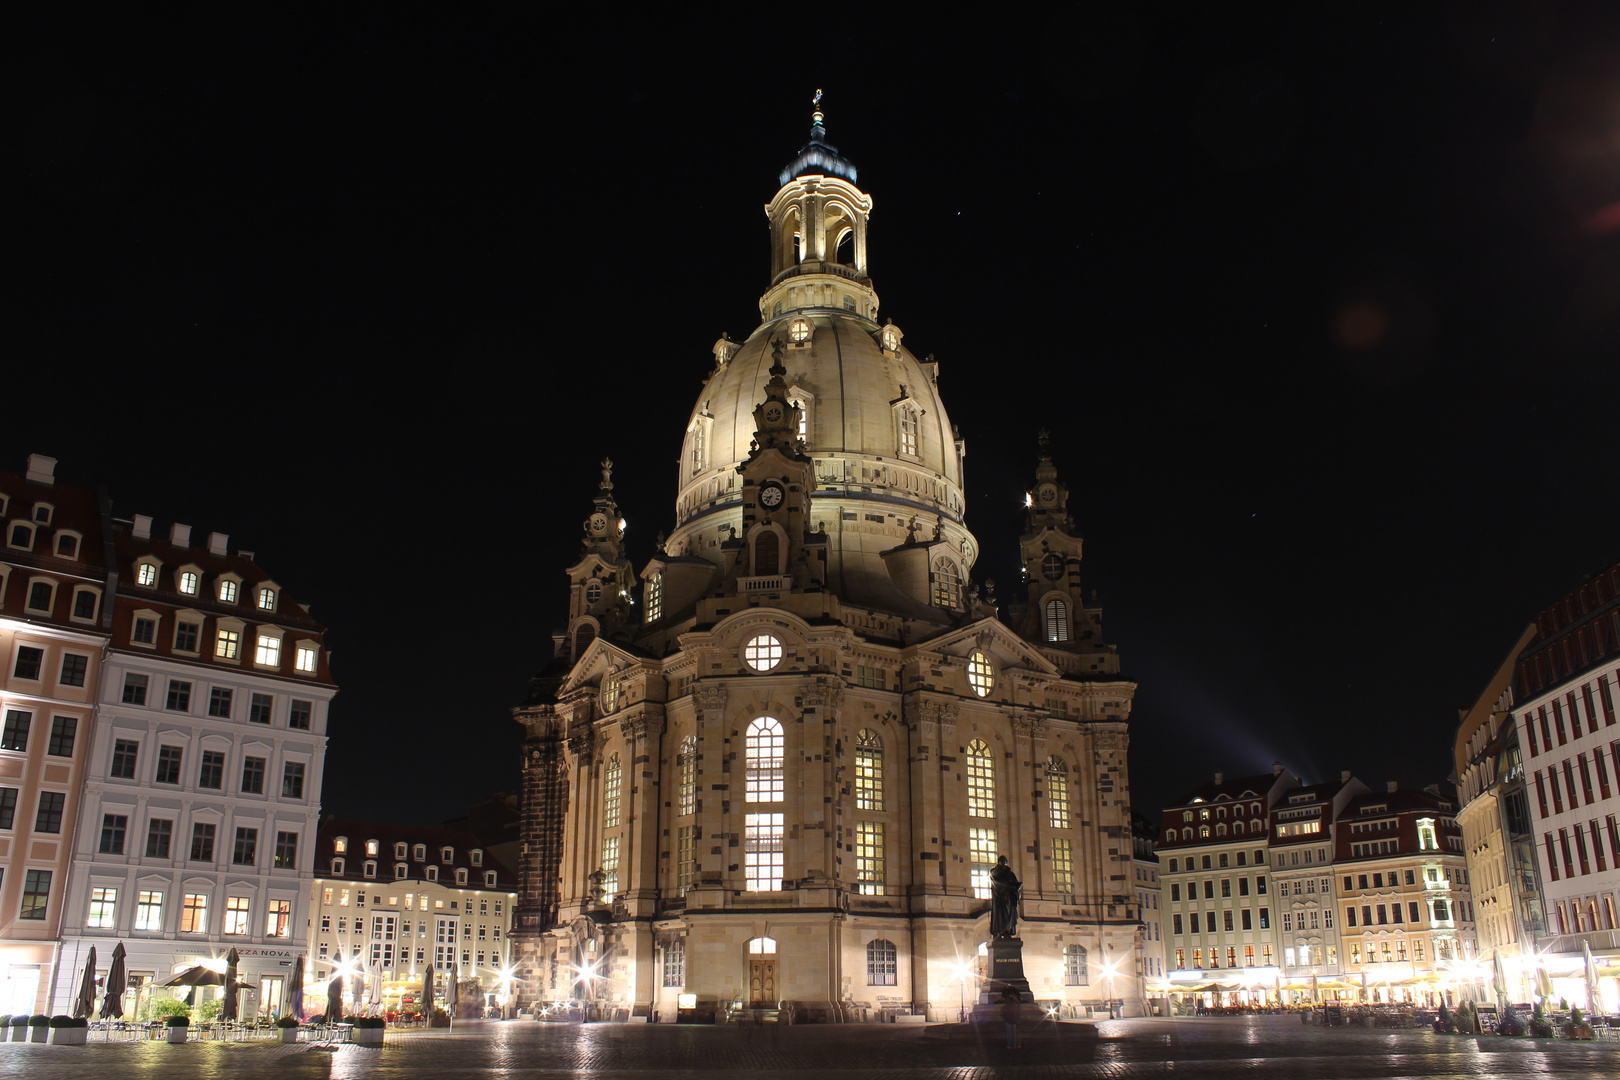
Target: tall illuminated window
column 278, row 919
column 907, row 423
column 610, row 866
column 686, row 862
column 1426, row 836
column 868, row 770
column 655, row 597
column 1057, row 620
column 1057, row 792
column 869, row 857
column 947, row 584
column 103, row 908
column 149, row 910
column 763, row 747
column 236, row 915
column 1063, row 866
column 147, row 574
column 763, row 852
column 1075, row 969
column 188, row 583
column 686, row 762
column 675, row 963
column 981, row 780
column 981, row 860
column 612, row 783
column 227, row 591
column 269, row 651
column 699, row 430
column 194, row 914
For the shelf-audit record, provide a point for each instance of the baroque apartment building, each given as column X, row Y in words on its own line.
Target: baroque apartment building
column 786, row 773
column 1407, row 910
column 401, row 898
column 203, row 777
column 1301, row 849
column 1566, row 683
column 1215, row 874
column 55, row 622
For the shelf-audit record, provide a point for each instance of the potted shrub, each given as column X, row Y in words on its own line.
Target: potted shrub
column 1540, row 1026
column 38, row 1027
column 289, row 1028
column 440, row 1019
column 1511, row 1024
column 1577, row 1028
column 19, row 1029
column 69, row 1031
column 179, row 1026
column 1444, row 1024
column 369, row 1030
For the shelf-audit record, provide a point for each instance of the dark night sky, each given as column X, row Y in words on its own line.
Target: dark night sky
column 1322, row 307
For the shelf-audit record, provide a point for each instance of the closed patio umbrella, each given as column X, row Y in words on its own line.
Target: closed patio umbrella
column 1543, row 982
column 295, row 990
column 427, row 994
column 357, row 989
column 1594, row 993
column 112, row 1006
column 85, row 1003
column 1499, row 981
column 374, row 994
column 228, row 1012
column 454, row 1001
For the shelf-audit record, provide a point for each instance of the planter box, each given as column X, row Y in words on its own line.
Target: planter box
column 289, row 1035
column 38, row 1034
column 178, row 1033
column 70, row 1036
column 368, row 1036
column 19, row 1034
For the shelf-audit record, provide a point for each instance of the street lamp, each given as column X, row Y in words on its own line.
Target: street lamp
column 1109, row 968
column 962, row 973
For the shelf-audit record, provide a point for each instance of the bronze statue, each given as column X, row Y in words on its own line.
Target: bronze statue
column 1005, row 891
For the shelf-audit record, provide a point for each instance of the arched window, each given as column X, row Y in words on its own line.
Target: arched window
column 612, row 784
column 593, row 592
column 762, row 946
column 1203, row 831
column 655, row 598
column 1186, row 834
column 1170, row 834
column 584, row 634
column 1075, row 970
column 1057, row 620
column 868, row 770
column 907, row 425
column 882, row 965
column 763, row 746
column 1220, row 829
column 981, row 778
column 686, row 762
column 767, row 553
column 947, row 584
column 696, row 442
column 1057, row 792
column 1052, row 566
column 981, row 675
column 1237, row 828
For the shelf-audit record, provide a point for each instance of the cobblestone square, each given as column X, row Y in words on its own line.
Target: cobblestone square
column 1212, row 1048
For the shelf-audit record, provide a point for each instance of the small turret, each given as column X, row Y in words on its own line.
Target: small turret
column 602, row 584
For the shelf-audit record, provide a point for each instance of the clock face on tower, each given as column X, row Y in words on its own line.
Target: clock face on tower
column 773, row 412
column 598, row 523
column 771, row 494
column 1047, row 494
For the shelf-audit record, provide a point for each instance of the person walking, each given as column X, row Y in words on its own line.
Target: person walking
column 1009, row 1017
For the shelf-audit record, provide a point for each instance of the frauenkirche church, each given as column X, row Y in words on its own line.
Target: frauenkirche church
column 785, row 775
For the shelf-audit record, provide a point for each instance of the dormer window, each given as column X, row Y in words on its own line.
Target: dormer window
column 654, row 594
column 447, row 854
column 697, row 443
column 461, row 876
column 889, row 337
column 433, row 873
column 42, row 513
column 229, row 587
column 189, row 581
column 146, row 574
column 371, row 869
column 419, row 853
column 67, row 545
column 489, row 882
column 371, row 847
column 799, row 331
column 400, row 870
column 907, row 425
column 476, row 856
column 337, row 867
column 399, row 849
column 20, row 535
column 340, row 845
column 947, row 584
column 267, row 598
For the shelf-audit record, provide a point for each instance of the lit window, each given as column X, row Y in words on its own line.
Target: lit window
column 655, row 597
column 146, row 574
column 764, row 748
column 36, row 895
column 610, row 867
column 612, row 786
column 188, row 583
column 1063, row 867
column 103, row 908
column 981, row 860
column 763, row 652
column 869, row 857
column 1057, row 620
column 699, row 431
column 227, row 591
column 891, row 338
column 687, row 764
column 763, row 852
column 236, row 915
column 1075, row 971
column 947, row 584
column 149, row 910
column 868, row 770
column 228, row 645
column 799, row 331
column 981, row 676
column 371, row 847
column 675, row 963
column 762, row 946
column 194, row 914
column 304, row 658
column 278, row 920
column 908, row 427
column 269, row 651
column 981, row 780
column 686, row 867
column 1057, row 792
column 881, row 966
column 267, row 599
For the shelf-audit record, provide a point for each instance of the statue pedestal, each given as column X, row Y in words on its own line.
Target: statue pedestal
column 1006, row 972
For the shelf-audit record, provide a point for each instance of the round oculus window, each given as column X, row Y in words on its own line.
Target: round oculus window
column 1052, row 566
column 799, row 330
column 763, row 652
column 981, row 676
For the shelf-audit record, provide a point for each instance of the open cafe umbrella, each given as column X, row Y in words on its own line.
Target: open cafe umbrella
column 85, row 1003
column 228, row 1011
column 1594, row 993
column 112, row 1006
column 427, row 994
column 295, row 991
